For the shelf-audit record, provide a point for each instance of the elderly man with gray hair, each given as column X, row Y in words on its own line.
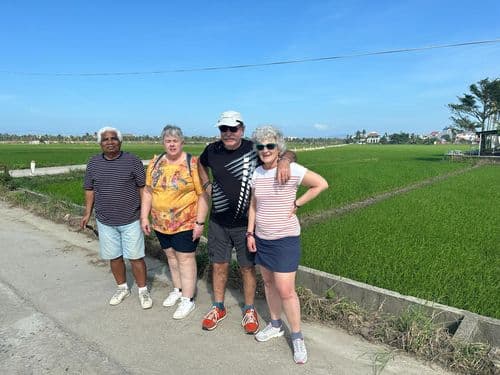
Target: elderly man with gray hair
column 113, row 183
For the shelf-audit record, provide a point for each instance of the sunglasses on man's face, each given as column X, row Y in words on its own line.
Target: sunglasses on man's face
column 269, row 146
column 225, row 128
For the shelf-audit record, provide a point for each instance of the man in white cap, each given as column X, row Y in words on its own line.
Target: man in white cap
column 232, row 161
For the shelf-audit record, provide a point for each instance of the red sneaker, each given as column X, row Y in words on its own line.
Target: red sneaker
column 250, row 321
column 213, row 317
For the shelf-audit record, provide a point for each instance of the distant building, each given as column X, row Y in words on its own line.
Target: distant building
column 435, row 134
column 466, row 137
column 372, row 137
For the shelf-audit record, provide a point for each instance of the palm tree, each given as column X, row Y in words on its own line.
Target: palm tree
column 474, row 109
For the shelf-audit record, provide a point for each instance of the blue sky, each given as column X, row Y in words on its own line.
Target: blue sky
column 389, row 93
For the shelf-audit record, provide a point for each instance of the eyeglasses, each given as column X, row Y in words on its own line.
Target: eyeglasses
column 269, row 146
column 225, row 128
column 109, row 139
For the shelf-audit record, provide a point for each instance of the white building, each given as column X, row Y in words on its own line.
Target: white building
column 372, row 137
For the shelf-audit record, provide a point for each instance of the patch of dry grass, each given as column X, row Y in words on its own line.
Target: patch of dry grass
column 413, row 332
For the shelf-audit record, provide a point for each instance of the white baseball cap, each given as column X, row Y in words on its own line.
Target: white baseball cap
column 230, row 118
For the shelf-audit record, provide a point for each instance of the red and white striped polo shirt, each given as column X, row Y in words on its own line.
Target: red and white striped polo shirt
column 275, row 202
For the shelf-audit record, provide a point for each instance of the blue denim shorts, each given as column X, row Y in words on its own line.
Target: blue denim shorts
column 121, row 240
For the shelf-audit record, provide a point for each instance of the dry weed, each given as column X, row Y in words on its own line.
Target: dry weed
column 413, row 332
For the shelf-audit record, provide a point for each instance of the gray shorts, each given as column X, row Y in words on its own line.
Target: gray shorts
column 222, row 240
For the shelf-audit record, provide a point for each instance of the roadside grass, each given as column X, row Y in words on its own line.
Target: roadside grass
column 47, row 206
column 64, row 187
column 439, row 243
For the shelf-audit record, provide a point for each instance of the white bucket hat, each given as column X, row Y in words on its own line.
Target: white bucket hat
column 230, row 118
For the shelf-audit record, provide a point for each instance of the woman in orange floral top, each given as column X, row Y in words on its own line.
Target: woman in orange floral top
column 178, row 205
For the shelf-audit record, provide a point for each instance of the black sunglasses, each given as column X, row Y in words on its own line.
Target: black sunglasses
column 225, row 128
column 269, row 146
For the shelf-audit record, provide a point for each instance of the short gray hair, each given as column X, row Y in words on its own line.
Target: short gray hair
column 268, row 133
column 108, row 129
column 172, row 131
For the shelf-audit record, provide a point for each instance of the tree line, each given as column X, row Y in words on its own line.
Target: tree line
column 91, row 138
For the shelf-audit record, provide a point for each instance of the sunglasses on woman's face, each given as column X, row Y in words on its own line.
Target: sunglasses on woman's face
column 269, row 146
column 225, row 128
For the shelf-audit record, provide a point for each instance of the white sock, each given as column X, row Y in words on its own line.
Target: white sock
column 143, row 289
column 123, row 286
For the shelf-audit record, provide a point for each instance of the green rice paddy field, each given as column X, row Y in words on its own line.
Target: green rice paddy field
column 19, row 156
column 439, row 241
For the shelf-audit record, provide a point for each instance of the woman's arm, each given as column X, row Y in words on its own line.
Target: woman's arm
column 316, row 185
column 251, row 225
column 201, row 214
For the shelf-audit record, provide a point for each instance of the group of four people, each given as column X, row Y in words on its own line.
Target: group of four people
column 253, row 190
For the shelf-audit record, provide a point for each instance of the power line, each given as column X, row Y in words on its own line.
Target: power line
column 245, row 66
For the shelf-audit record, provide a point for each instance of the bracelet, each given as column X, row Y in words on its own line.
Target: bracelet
column 198, row 223
column 205, row 185
column 295, row 204
column 249, row 234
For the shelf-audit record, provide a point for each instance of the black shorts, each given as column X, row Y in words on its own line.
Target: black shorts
column 222, row 240
column 181, row 242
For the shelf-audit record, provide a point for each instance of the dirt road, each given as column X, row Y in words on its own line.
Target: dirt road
column 55, row 318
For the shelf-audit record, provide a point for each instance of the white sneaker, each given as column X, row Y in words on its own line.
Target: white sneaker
column 172, row 298
column 119, row 296
column 268, row 333
column 145, row 299
column 299, row 351
column 184, row 308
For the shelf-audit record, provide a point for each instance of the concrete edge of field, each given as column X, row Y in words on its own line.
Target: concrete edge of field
column 467, row 326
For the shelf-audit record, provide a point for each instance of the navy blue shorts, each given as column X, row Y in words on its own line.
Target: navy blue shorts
column 181, row 242
column 281, row 255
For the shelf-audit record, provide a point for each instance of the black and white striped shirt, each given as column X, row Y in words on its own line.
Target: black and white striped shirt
column 116, row 185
